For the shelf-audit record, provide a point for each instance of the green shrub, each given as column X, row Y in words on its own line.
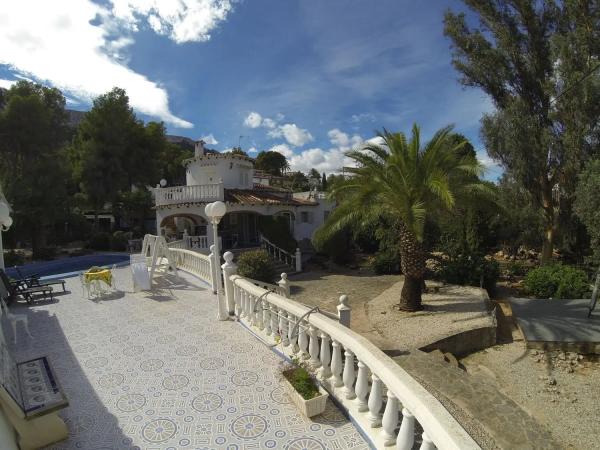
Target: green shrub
column 301, row 381
column 100, row 241
column 119, row 241
column 13, row 258
column 257, row 265
column 386, row 262
column 516, row 269
column 472, row 270
column 337, row 248
column 277, row 230
column 557, row 281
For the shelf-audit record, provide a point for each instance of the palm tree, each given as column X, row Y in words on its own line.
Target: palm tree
column 405, row 182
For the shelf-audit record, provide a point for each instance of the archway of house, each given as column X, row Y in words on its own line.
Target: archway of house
column 240, row 229
column 176, row 224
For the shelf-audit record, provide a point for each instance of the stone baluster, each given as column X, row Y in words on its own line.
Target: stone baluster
column 390, row 419
column 375, row 401
column 275, row 322
column 336, row 364
column 313, row 347
column 266, row 317
column 362, row 387
column 213, row 269
column 284, row 284
column 325, row 355
column 406, row 435
column 426, row 443
column 302, row 340
column 292, row 333
column 258, row 314
column 349, row 375
column 229, row 269
column 283, row 326
column 344, row 311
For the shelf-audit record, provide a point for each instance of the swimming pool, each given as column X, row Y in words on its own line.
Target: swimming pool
column 69, row 266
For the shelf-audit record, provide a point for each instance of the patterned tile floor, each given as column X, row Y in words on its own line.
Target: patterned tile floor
column 156, row 370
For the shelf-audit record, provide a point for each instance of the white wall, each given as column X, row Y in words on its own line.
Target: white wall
column 235, row 173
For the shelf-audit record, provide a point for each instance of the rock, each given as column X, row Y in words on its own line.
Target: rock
column 551, row 381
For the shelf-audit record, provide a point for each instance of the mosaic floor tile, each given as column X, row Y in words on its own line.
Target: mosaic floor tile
column 157, row 370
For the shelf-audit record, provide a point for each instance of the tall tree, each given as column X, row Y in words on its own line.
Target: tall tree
column 113, row 151
column 536, row 61
column 404, row 182
column 273, row 163
column 32, row 169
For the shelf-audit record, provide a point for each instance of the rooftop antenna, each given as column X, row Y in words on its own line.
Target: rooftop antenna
column 240, row 141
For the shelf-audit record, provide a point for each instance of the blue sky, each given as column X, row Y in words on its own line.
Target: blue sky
column 308, row 78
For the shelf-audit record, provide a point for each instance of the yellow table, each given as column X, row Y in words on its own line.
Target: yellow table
column 98, row 275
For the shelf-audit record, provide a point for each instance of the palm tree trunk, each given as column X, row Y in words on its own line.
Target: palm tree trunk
column 412, row 262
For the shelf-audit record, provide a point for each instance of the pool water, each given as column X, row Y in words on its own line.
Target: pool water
column 68, row 266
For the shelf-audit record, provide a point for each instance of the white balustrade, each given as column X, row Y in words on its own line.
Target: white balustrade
column 335, row 349
column 406, row 435
column 375, row 401
column 390, row 419
column 195, row 263
column 203, row 193
column 362, row 387
column 303, row 341
column 292, row 333
column 336, row 364
column 313, row 348
column 349, row 375
column 325, row 356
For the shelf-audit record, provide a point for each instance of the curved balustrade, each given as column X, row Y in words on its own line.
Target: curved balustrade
column 193, row 262
column 374, row 389
column 187, row 194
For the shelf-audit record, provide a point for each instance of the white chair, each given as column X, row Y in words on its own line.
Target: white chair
column 15, row 319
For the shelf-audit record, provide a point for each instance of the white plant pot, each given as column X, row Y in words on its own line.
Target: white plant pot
column 309, row 408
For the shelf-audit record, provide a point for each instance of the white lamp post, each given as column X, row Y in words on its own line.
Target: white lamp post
column 5, row 223
column 215, row 211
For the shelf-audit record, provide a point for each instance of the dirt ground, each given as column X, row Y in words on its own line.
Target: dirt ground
column 323, row 288
column 560, row 390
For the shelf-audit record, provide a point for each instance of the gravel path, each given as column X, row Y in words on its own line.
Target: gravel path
column 568, row 404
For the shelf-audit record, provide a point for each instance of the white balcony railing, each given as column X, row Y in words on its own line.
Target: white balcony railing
column 201, row 193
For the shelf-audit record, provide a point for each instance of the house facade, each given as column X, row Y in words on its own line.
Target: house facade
column 230, row 178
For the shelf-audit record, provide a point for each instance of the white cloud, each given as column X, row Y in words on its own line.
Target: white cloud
column 78, row 46
column 328, row 161
column 253, row 120
column 293, row 134
column 284, row 149
column 342, row 140
column 6, row 84
column 252, row 150
column 181, row 20
column 269, row 123
column 210, row 140
column 362, row 117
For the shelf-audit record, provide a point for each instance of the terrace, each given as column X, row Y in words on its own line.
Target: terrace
column 157, row 369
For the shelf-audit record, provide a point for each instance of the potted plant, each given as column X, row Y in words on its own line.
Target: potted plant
column 306, row 393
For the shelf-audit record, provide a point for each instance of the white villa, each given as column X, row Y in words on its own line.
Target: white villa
column 230, row 178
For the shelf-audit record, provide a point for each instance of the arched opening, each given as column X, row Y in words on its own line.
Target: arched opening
column 240, row 230
column 288, row 217
column 174, row 226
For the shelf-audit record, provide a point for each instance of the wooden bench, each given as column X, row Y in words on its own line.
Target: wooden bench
column 31, row 397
